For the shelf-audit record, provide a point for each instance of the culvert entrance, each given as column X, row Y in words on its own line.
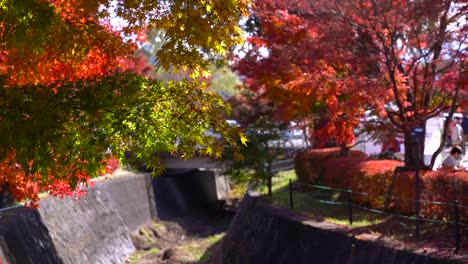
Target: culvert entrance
column 180, row 193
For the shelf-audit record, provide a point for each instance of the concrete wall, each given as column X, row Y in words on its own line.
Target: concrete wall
column 94, row 229
column 222, row 185
column 261, row 233
column 133, row 196
column 90, row 230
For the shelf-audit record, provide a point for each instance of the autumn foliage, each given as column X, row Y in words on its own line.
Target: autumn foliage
column 47, row 43
column 398, row 60
column 25, row 187
column 380, row 185
column 73, row 93
column 58, row 42
column 310, row 164
column 370, row 176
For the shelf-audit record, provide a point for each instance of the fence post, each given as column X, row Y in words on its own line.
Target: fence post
column 417, row 134
column 350, row 208
column 291, row 202
column 457, row 226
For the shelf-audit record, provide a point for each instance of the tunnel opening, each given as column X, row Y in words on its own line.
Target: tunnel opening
column 183, row 192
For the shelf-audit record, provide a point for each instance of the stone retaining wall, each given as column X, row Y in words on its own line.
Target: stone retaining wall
column 261, row 233
column 25, row 239
column 133, row 196
column 94, row 229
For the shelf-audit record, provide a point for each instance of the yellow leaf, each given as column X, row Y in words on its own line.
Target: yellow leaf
column 243, row 139
column 209, row 151
column 238, row 156
column 206, row 74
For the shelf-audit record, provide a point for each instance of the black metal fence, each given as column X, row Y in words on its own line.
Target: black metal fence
column 351, row 205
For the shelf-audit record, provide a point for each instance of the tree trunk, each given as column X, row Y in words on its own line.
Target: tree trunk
column 414, row 151
column 344, row 151
column 388, row 195
column 2, row 195
column 6, row 198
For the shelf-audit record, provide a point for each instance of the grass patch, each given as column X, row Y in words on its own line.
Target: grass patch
column 139, row 255
column 238, row 190
column 136, row 257
column 198, row 250
column 154, row 251
column 321, row 205
column 331, row 206
column 279, row 181
column 156, row 225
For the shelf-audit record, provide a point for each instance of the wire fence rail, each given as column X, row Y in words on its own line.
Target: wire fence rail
column 350, row 204
column 5, row 209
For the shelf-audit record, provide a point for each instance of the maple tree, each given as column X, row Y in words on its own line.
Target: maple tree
column 399, row 59
column 294, row 71
column 73, row 94
column 256, row 117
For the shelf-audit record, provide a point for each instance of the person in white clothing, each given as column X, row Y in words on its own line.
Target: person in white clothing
column 453, row 160
column 432, row 140
column 457, row 133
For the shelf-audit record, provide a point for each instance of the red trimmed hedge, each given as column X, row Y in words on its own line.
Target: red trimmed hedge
column 309, row 164
column 378, row 178
column 361, row 175
column 445, row 186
